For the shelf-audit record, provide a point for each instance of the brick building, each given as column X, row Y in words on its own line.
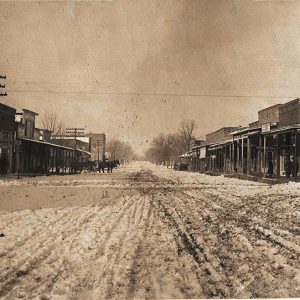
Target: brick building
column 98, row 145
column 269, row 115
column 290, row 113
column 281, row 114
column 220, row 135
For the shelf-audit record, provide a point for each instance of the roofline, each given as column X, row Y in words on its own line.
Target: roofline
column 91, row 133
column 54, row 145
column 225, row 127
column 28, row 110
column 8, row 107
column 287, row 103
column 221, row 143
column 273, row 106
column 203, row 145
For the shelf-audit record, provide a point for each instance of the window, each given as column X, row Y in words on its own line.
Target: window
column 3, row 136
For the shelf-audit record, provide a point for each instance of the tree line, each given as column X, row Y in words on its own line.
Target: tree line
column 165, row 148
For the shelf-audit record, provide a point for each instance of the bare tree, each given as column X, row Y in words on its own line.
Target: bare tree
column 120, row 150
column 186, row 131
column 164, row 149
column 52, row 122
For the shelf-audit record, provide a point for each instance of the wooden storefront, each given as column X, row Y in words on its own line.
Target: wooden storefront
column 38, row 157
column 281, row 153
column 220, row 157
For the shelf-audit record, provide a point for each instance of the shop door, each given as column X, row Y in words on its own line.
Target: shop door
column 3, row 161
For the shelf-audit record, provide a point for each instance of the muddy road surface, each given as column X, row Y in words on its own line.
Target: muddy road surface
column 148, row 232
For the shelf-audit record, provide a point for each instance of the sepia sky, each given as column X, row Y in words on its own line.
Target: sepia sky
column 133, row 69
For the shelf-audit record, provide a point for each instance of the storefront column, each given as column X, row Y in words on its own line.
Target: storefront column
column 238, row 155
column 278, row 156
column 248, row 156
column 233, row 157
column 298, row 152
column 259, row 155
column 264, row 158
column 295, row 157
column 197, row 159
column 242, row 155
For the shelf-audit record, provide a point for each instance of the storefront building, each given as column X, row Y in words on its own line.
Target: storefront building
column 27, row 149
column 7, row 129
column 267, row 148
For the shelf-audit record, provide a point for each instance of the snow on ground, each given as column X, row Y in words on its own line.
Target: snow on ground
column 148, row 232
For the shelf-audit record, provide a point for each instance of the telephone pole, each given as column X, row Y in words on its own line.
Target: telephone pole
column 98, row 143
column 2, row 86
column 75, row 132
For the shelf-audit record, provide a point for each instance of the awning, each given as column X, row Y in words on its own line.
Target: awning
column 220, row 144
column 53, row 145
column 245, row 130
column 187, row 154
column 282, row 129
column 253, row 133
column 244, row 136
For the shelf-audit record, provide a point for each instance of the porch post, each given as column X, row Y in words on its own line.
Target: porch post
column 242, row 155
column 248, row 155
column 265, row 142
column 238, row 155
column 259, row 155
column 278, row 157
column 295, row 156
column 232, row 156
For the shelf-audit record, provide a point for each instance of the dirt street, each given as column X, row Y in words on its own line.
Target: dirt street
column 148, row 232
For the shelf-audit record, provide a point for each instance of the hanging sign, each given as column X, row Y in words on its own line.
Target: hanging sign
column 266, row 127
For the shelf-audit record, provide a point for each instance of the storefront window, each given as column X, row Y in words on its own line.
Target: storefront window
column 288, row 160
column 3, row 137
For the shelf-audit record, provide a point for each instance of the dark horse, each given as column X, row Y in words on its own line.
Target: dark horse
column 108, row 164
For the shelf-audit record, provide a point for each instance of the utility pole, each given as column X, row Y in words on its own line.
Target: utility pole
column 75, row 132
column 2, row 86
column 98, row 144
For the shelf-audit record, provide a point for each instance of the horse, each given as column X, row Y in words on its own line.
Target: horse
column 101, row 166
column 108, row 164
